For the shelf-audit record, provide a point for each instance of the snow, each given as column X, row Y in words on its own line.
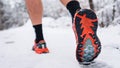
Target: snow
column 54, row 8
column 16, row 44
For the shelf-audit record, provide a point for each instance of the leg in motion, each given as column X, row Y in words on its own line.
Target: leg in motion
column 35, row 10
column 72, row 6
column 85, row 26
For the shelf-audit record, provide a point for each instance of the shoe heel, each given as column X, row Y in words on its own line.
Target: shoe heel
column 88, row 51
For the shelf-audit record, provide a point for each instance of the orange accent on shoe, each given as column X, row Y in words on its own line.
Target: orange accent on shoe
column 40, row 51
column 35, row 44
column 74, row 29
column 87, row 24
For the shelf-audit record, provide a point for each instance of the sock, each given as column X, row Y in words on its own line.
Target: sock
column 73, row 6
column 38, row 33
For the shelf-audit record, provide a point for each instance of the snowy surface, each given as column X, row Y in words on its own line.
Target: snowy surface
column 16, row 44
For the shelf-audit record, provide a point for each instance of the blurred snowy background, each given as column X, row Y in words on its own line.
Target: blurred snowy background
column 13, row 13
column 16, row 44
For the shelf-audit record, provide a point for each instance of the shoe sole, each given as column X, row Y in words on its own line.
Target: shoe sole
column 86, row 63
column 85, row 27
column 40, row 51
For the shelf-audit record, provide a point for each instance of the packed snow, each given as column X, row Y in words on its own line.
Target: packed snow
column 16, row 47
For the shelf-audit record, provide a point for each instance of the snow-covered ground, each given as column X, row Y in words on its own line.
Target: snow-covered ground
column 16, row 44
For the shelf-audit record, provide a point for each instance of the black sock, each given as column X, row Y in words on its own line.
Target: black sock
column 38, row 33
column 73, row 6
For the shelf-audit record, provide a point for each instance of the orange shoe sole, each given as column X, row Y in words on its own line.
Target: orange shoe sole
column 85, row 26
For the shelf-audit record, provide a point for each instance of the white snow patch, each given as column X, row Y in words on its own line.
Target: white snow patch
column 16, row 44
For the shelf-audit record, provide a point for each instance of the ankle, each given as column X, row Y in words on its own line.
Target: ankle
column 40, row 41
column 38, row 33
column 73, row 6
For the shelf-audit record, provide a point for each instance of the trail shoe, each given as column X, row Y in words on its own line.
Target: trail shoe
column 88, row 45
column 40, row 48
